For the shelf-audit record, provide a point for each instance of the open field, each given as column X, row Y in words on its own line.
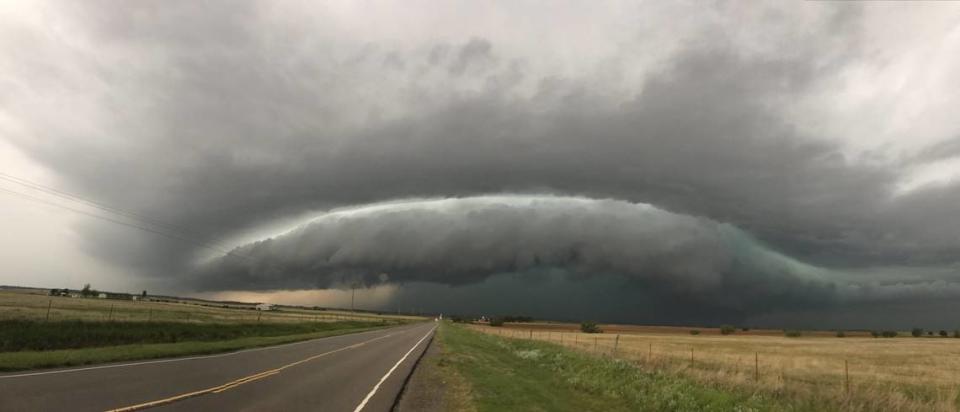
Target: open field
column 903, row 373
column 513, row 374
column 40, row 331
column 22, row 305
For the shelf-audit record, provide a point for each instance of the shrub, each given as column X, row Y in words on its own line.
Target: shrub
column 930, row 333
column 745, row 329
column 943, row 333
column 694, row 332
column 496, row 321
column 889, row 333
column 840, row 334
column 727, row 329
column 956, row 333
column 590, row 327
column 875, row 333
column 792, row 333
column 916, row 332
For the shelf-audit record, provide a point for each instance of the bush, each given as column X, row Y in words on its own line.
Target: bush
column 792, row 333
column 840, row 334
column 745, row 329
column 956, row 333
column 916, row 332
column 889, row 334
column 497, row 321
column 694, row 332
column 590, row 327
column 727, row 329
column 943, row 333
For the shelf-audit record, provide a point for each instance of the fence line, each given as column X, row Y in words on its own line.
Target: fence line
column 710, row 365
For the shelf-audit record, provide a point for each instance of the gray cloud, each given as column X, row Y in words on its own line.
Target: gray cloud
column 468, row 240
column 234, row 117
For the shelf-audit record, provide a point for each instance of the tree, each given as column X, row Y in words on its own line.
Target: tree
column 727, row 329
column 496, row 321
column 143, row 294
column 590, row 327
column 840, row 334
column 916, row 332
column 943, row 333
column 87, row 291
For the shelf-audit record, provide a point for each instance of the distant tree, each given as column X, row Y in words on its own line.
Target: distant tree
column 143, row 294
column 956, row 333
column 727, row 329
column 590, row 327
column 54, row 292
column 930, row 333
column 916, row 332
column 87, row 290
column 694, row 332
column 496, row 321
column 889, row 333
column 792, row 333
column 943, row 333
column 840, row 334
column 875, row 333
column 745, row 329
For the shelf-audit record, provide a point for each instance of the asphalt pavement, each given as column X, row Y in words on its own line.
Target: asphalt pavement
column 356, row 372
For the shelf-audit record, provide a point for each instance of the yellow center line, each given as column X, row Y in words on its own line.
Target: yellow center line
column 237, row 382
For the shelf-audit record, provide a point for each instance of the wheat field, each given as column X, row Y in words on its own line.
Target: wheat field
column 862, row 373
column 37, row 306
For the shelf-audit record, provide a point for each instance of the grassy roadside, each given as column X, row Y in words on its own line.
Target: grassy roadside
column 36, row 359
column 507, row 374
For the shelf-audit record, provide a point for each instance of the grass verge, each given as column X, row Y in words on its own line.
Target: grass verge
column 35, row 359
column 508, row 374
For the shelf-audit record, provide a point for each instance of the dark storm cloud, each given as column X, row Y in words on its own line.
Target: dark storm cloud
column 693, row 261
column 219, row 122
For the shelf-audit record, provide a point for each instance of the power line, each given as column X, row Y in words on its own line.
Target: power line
column 107, row 208
column 170, row 231
column 94, row 215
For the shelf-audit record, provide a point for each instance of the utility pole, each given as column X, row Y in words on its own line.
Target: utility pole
column 353, row 293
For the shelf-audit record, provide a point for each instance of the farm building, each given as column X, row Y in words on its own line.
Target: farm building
column 265, row 306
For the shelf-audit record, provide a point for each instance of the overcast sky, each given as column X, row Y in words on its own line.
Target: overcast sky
column 772, row 163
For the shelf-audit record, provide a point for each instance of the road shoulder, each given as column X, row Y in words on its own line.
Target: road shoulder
column 435, row 385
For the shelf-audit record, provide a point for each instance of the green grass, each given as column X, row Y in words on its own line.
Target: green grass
column 510, row 374
column 20, row 335
column 235, row 339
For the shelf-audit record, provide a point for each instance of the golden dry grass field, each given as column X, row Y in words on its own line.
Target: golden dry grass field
column 902, row 373
column 33, row 304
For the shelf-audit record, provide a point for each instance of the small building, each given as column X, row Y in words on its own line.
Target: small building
column 102, row 295
column 265, row 306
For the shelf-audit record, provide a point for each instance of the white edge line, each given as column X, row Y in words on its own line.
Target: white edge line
column 384, row 378
column 219, row 355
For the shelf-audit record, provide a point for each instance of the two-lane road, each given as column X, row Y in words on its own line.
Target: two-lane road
column 362, row 371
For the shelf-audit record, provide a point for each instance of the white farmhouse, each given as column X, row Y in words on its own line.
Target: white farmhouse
column 265, row 306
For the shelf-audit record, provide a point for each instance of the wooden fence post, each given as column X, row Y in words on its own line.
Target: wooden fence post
column 594, row 343
column 691, row 357
column 531, row 334
column 756, row 366
column 259, row 313
column 110, row 316
column 50, row 304
column 650, row 352
column 846, row 373
column 616, row 343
